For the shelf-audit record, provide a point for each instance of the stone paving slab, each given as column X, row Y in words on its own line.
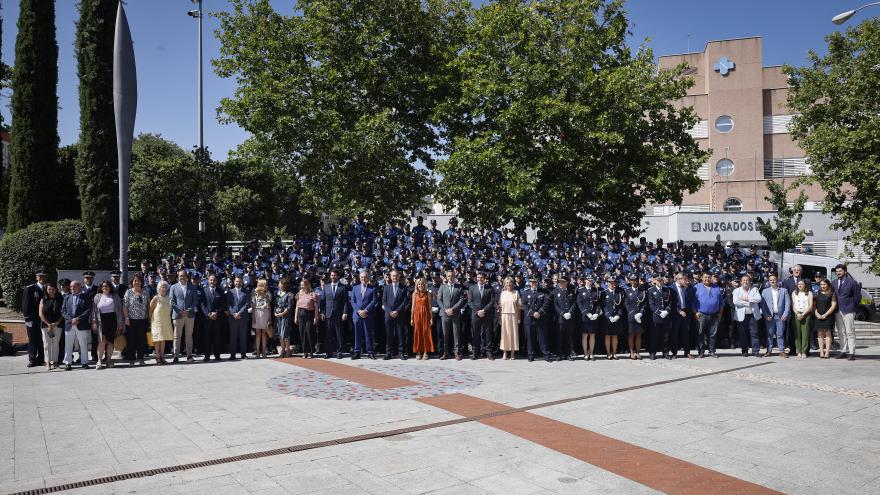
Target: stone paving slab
column 797, row 426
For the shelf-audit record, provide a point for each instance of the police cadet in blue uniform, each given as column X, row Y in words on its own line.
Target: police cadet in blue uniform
column 662, row 305
column 614, row 311
column 589, row 302
column 536, row 305
column 636, row 312
column 565, row 307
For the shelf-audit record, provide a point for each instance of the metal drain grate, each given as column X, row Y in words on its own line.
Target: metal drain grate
column 359, row 438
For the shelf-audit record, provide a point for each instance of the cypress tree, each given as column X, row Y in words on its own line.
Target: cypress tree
column 97, row 171
column 34, row 145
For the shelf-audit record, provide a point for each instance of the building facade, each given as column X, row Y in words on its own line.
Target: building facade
column 744, row 121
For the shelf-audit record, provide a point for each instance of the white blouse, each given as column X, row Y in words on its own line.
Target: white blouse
column 801, row 301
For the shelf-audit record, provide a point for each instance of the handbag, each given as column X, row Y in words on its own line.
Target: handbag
column 149, row 339
column 119, row 342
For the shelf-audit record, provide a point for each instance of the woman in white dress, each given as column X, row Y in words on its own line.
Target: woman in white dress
column 509, row 307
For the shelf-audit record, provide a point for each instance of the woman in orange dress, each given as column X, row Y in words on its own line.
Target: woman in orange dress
column 421, row 320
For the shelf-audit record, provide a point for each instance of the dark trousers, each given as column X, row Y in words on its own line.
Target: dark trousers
column 363, row 335
column 238, row 335
column 211, row 337
column 306, row 320
column 35, row 344
column 748, row 334
column 708, row 332
column 536, row 331
column 482, row 336
column 333, row 339
column 136, row 339
column 680, row 335
column 659, row 335
column 564, row 329
column 395, row 330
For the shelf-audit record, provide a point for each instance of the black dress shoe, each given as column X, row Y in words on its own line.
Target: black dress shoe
column 403, row 357
column 531, row 358
column 547, row 358
column 67, row 367
column 355, row 355
column 653, row 356
column 570, row 357
column 372, row 355
column 474, row 357
column 85, row 366
column 207, row 358
column 444, row 357
column 32, row 365
column 852, row 357
column 386, row 358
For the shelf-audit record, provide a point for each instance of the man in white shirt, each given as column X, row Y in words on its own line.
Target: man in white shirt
column 747, row 304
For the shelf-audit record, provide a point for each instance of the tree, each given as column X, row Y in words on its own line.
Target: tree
column 66, row 191
column 836, row 99
column 245, row 204
column 343, row 93
column 559, row 125
column 97, row 170
column 34, row 144
column 783, row 232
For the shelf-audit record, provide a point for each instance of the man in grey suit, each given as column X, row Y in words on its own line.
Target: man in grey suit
column 776, row 307
column 238, row 302
column 184, row 304
column 450, row 301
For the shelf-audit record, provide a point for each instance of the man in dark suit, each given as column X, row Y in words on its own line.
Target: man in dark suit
column 77, row 311
column 849, row 295
column 481, row 300
column 89, row 291
column 238, row 302
column 565, row 308
column 212, row 308
column 335, row 308
column 436, row 324
column 535, row 305
column 30, row 308
column 396, row 304
column 451, row 300
column 363, row 304
column 118, row 287
column 680, row 331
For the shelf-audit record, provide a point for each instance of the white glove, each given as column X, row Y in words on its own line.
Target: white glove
column 663, row 313
column 567, row 316
column 593, row 316
column 435, row 309
column 28, row 324
column 614, row 319
column 638, row 317
column 250, row 310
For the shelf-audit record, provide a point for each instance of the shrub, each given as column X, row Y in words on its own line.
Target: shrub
column 48, row 245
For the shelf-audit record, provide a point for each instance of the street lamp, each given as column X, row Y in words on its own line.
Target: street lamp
column 197, row 14
column 845, row 16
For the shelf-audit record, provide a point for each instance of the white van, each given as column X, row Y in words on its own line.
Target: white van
column 867, row 310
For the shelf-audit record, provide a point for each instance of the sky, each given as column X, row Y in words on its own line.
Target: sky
column 165, row 44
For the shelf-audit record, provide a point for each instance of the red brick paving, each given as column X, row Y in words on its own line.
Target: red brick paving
column 652, row 469
column 354, row 374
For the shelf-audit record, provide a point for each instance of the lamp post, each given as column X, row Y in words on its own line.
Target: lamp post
column 197, row 14
column 845, row 16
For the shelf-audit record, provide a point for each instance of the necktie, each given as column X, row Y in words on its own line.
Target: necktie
column 363, row 291
column 394, row 291
column 481, row 290
column 333, row 290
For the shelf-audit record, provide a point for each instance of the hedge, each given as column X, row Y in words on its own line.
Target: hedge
column 48, row 245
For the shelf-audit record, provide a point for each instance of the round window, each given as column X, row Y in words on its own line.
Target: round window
column 724, row 167
column 724, row 124
column 733, row 204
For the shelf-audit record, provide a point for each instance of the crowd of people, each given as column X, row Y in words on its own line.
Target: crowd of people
column 397, row 291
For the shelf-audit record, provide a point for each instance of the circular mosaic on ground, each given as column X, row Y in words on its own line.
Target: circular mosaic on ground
column 432, row 381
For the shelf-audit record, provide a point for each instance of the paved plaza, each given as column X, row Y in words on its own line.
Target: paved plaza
column 728, row 425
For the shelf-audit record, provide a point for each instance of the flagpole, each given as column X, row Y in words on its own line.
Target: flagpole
column 124, row 110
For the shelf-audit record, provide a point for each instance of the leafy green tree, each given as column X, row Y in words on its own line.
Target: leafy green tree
column 837, row 101
column 344, row 94
column 783, row 231
column 559, row 124
column 34, row 116
column 245, row 204
column 97, row 171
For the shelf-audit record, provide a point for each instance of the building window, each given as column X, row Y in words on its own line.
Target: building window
column 724, row 124
column 733, row 204
column 724, row 167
